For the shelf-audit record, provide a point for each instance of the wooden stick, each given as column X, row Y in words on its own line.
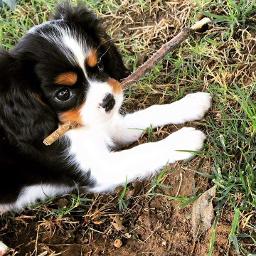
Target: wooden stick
column 135, row 76
column 59, row 132
column 165, row 49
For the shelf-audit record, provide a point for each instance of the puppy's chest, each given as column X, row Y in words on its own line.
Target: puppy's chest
column 89, row 146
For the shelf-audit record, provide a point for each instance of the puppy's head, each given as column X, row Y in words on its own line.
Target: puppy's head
column 67, row 68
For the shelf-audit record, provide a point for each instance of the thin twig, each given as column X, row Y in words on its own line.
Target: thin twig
column 163, row 51
column 59, row 132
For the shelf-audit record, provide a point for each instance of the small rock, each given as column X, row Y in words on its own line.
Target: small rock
column 127, row 235
column 62, row 202
column 164, row 243
column 118, row 243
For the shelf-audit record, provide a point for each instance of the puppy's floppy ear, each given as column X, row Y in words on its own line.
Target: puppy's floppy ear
column 112, row 59
column 23, row 115
column 81, row 16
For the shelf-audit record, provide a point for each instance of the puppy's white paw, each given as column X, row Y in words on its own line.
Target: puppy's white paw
column 186, row 139
column 195, row 105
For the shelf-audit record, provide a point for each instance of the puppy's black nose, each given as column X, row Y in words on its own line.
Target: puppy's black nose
column 108, row 102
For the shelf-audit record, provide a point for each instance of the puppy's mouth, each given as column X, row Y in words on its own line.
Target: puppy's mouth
column 108, row 102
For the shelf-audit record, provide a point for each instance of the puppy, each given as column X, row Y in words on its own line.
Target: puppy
column 67, row 69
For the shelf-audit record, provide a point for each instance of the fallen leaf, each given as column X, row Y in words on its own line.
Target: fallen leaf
column 3, row 249
column 117, row 223
column 133, row 190
column 202, row 212
column 97, row 222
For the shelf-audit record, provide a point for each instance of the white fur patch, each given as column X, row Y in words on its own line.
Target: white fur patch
column 92, row 144
column 35, row 28
column 30, row 194
column 77, row 46
column 72, row 45
column 110, row 169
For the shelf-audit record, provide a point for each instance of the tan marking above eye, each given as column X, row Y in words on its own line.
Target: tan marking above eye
column 67, row 78
column 92, row 58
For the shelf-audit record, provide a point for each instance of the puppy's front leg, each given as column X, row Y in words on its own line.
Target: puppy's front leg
column 144, row 160
column 192, row 107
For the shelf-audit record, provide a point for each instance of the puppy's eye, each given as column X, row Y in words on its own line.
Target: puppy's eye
column 63, row 94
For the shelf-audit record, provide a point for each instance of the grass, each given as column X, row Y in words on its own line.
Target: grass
column 234, row 157
column 122, row 202
column 221, row 61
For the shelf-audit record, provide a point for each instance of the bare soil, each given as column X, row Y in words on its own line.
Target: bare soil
column 151, row 224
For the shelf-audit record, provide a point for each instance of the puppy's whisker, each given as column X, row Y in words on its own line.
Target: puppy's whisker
column 103, row 54
column 105, row 42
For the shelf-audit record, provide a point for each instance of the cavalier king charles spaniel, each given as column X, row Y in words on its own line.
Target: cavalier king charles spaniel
column 68, row 69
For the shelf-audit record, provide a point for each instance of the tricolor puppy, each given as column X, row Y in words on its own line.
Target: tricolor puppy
column 67, row 69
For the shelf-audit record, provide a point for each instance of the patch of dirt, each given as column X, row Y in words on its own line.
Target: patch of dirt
column 152, row 224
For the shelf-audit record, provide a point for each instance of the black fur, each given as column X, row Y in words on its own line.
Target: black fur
column 27, row 114
column 88, row 22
